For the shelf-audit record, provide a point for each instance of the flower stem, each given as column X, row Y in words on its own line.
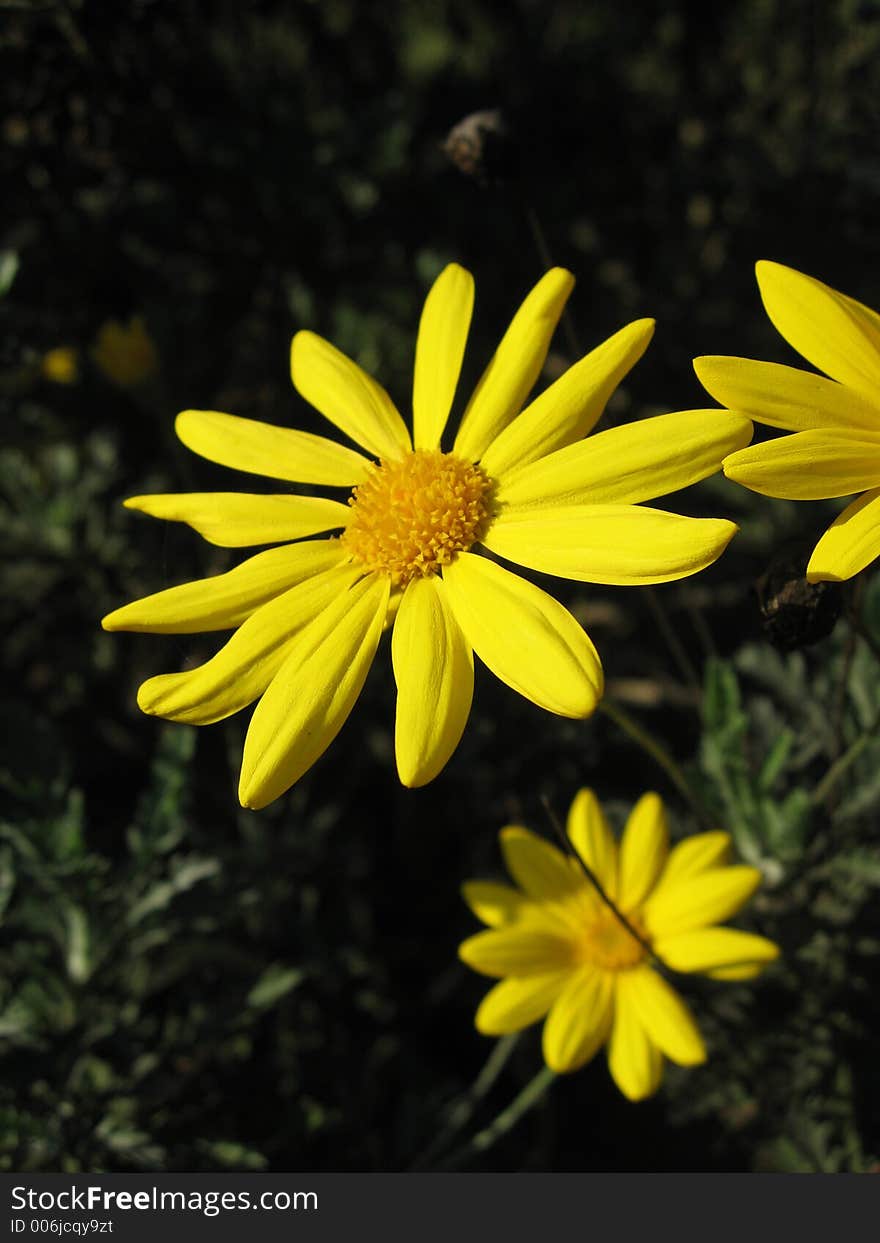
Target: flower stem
column 675, row 645
column 657, row 752
column 841, row 765
column 530, row 1096
column 464, row 1107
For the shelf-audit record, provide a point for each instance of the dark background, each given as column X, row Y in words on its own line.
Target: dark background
column 188, row 986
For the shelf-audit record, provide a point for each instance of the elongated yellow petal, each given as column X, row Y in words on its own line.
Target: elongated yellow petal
column 624, row 545
column 567, row 410
column 696, row 854
column 239, row 519
column 808, row 466
column 515, row 366
column 579, row 1021
column 494, row 904
column 309, row 699
column 627, row 464
column 517, row 1003
column 443, row 333
column 799, row 401
column 850, row 543
column 541, row 871
column 695, row 901
column 591, row 837
column 244, row 667
column 706, row 949
column 643, row 850
column 517, row 950
column 665, row 1017
column 434, row 671
column 635, row 1062
column 524, row 636
column 225, row 600
column 833, row 332
column 262, row 449
column 347, row 396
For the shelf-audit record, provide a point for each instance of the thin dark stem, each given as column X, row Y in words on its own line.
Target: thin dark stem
column 675, row 645
column 546, row 258
column 591, row 876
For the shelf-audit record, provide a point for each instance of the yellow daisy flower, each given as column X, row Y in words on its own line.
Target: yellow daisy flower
column 835, row 449
column 560, row 951
column 125, row 353
column 521, row 482
column 61, row 365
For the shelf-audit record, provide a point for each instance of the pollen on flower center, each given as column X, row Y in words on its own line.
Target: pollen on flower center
column 608, row 944
column 412, row 516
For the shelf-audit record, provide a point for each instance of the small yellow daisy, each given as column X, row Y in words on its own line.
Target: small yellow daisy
column 520, row 483
column 835, row 449
column 61, row 365
column 561, row 951
column 125, row 353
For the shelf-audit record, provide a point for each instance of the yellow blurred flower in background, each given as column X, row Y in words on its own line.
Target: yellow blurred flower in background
column 835, row 448
column 61, row 365
column 125, row 353
column 562, row 952
column 523, row 483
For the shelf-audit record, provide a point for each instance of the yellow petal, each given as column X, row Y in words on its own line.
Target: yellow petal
column 517, row 950
column 579, row 1021
column 696, row 854
column 524, row 636
column 541, row 871
column 517, row 1003
column 850, row 543
column 591, row 837
column 238, row 519
column 808, row 466
column 244, row 667
column 494, row 904
column 709, row 948
column 309, row 699
column 225, row 600
column 434, row 671
column 643, row 851
column 515, row 366
column 667, row 1020
column 833, row 332
column 627, row 464
column 443, row 332
column 799, row 401
column 261, row 449
column 624, row 545
column 347, row 396
column 695, row 901
column 635, row 1062
column 567, row 410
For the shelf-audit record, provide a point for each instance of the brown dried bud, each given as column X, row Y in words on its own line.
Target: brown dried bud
column 796, row 613
column 480, row 146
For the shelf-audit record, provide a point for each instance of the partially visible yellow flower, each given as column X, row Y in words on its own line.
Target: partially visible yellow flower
column 61, row 365
column 125, row 353
column 563, row 953
column 835, row 449
column 523, row 483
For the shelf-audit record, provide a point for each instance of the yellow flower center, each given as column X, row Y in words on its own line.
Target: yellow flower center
column 412, row 516
column 608, row 944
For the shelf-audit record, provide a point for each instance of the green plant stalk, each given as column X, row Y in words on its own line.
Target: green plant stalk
column 530, row 1096
column 650, row 745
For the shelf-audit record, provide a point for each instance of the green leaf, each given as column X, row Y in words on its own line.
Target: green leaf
column 275, row 982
